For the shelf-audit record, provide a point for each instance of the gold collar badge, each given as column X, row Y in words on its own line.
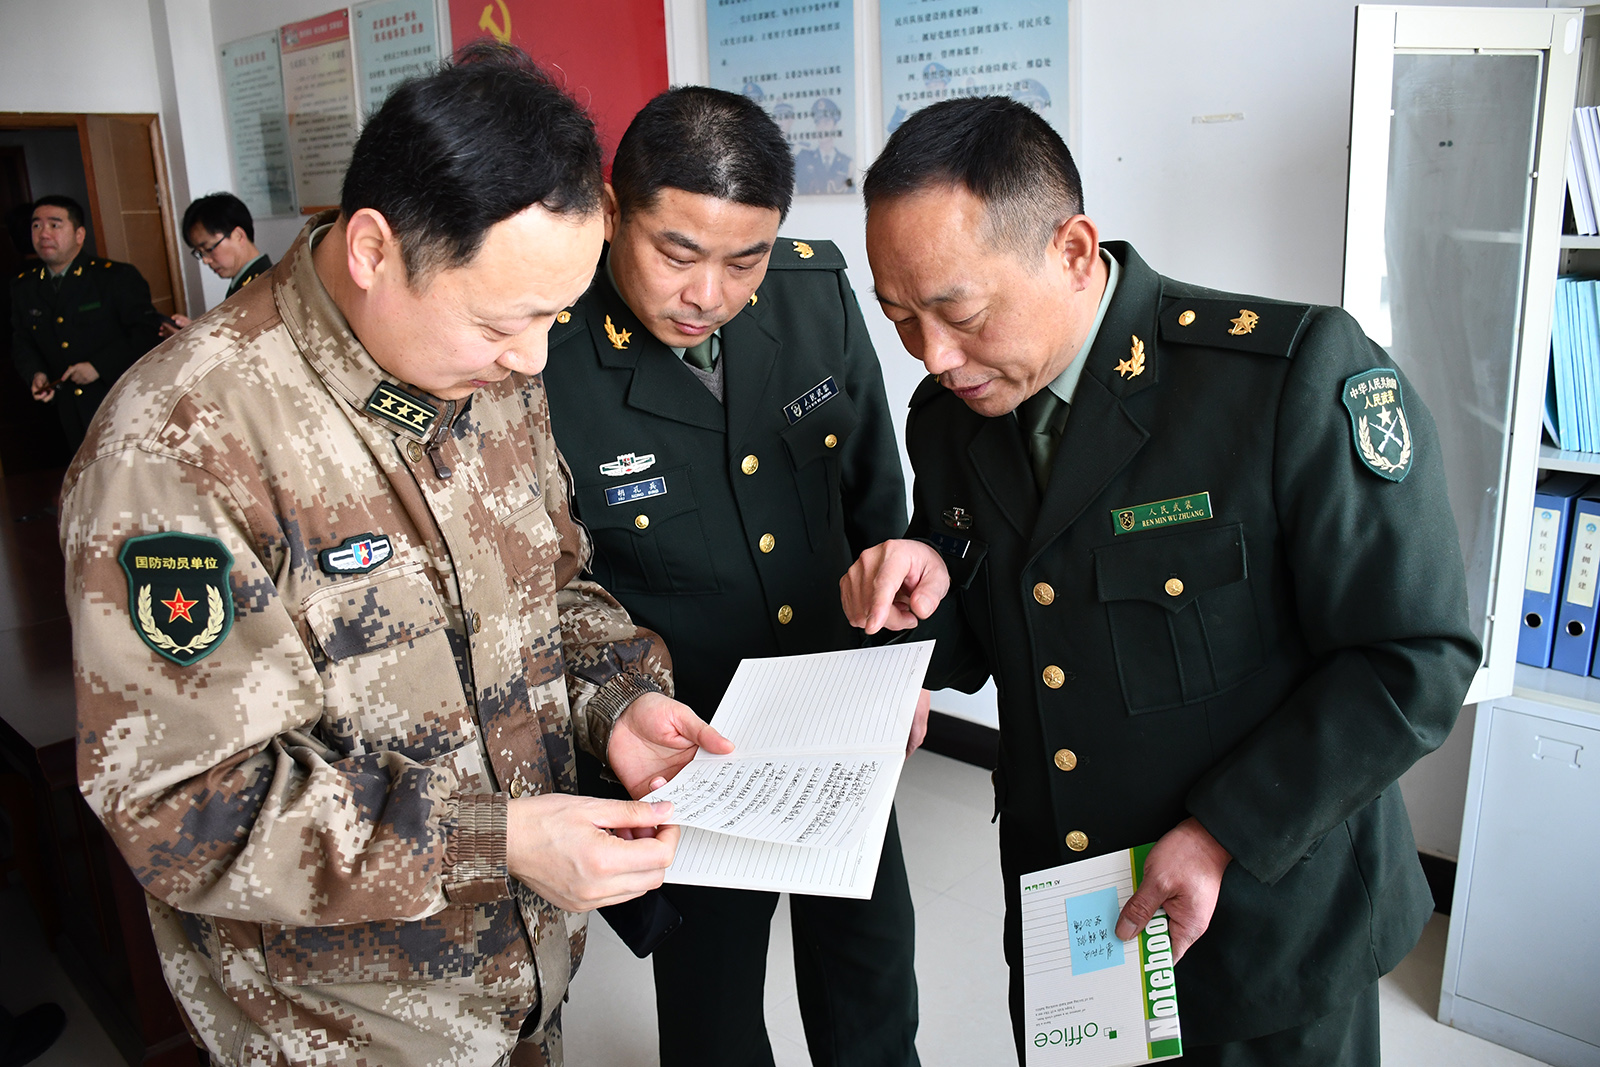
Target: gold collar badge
column 1133, row 366
column 803, row 250
column 1244, row 323
column 618, row 338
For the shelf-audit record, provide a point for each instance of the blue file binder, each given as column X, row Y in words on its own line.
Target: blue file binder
column 1547, row 543
column 1575, row 620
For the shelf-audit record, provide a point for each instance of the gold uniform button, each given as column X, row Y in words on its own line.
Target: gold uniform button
column 750, row 464
column 641, row 521
column 1077, row 841
column 1186, row 318
column 477, row 623
column 1066, row 759
column 564, row 317
column 516, row 789
column 830, row 440
column 1054, row 676
column 785, row 614
column 414, row 451
column 1174, row 587
column 63, row 344
column 768, row 542
column 1044, row 594
column 59, row 319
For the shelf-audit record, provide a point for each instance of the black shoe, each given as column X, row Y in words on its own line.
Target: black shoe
column 31, row 1034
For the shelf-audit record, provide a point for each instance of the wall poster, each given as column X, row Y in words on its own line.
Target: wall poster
column 319, row 88
column 395, row 40
column 252, row 93
column 797, row 59
column 938, row 49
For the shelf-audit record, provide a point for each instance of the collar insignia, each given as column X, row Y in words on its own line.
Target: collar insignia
column 401, row 408
column 618, row 338
column 356, row 555
column 178, row 594
column 1133, row 366
column 628, row 463
column 803, row 250
column 1244, row 323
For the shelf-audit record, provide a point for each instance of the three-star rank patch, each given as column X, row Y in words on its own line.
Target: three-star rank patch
column 178, row 595
column 1378, row 425
column 401, row 408
column 356, row 555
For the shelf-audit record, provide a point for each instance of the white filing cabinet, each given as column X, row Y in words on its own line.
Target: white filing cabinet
column 1523, row 963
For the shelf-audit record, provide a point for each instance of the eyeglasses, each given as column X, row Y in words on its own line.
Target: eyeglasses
column 202, row 253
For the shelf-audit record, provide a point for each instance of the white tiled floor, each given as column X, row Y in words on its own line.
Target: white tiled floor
column 953, row 860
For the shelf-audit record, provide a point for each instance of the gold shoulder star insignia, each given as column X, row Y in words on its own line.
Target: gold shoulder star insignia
column 1133, row 366
column 1244, row 323
column 618, row 338
column 803, row 250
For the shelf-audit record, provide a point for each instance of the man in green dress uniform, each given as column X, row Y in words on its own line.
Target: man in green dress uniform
column 77, row 321
column 221, row 233
column 1202, row 543
column 723, row 413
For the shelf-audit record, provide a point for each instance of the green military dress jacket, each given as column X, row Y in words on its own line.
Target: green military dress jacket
column 1223, row 606
column 725, row 527
column 100, row 313
column 249, row 273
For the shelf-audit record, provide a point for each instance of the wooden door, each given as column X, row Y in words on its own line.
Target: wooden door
column 128, row 179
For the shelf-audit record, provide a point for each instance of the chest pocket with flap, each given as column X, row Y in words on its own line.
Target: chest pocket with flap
column 817, row 463
column 655, row 544
column 1183, row 621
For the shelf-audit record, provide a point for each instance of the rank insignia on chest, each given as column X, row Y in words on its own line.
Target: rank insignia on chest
column 356, row 555
column 628, row 463
column 401, row 408
column 178, row 595
column 1195, row 507
column 1382, row 436
column 957, row 518
column 810, row 400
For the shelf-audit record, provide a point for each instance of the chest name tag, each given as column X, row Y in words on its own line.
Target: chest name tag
column 402, row 409
column 178, row 593
column 1192, row 508
column 627, row 494
column 356, row 555
column 89, row 307
column 810, row 400
column 951, row 546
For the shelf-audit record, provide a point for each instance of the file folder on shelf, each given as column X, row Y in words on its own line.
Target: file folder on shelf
column 1575, row 621
column 1541, row 587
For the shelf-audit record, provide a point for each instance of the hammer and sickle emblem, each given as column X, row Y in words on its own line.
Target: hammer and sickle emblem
column 501, row 31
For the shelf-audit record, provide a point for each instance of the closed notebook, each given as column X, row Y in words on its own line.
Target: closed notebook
column 1575, row 620
column 1541, row 587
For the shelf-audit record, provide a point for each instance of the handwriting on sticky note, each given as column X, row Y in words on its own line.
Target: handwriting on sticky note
column 1091, row 922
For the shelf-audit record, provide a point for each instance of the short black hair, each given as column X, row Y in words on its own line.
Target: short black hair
column 1001, row 151
column 452, row 153
column 704, row 141
column 218, row 214
column 74, row 209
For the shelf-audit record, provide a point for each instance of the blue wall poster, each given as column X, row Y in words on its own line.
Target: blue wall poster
column 796, row 58
column 395, row 40
column 940, row 49
column 258, row 128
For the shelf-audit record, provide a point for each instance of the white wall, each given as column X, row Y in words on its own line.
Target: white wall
column 77, row 55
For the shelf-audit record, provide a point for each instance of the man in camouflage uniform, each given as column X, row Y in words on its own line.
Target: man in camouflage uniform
column 332, row 644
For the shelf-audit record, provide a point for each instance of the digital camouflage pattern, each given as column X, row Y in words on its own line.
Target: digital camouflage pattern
column 317, row 808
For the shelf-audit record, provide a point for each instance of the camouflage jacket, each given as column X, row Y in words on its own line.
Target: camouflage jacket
column 306, row 759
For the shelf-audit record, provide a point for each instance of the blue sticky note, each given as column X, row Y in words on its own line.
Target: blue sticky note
column 1092, row 924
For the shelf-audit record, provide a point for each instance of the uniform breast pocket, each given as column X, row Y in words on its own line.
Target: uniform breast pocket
column 1183, row 622
column 814, row 444
column 648, row 535
column 531, row 547
column 390, row 680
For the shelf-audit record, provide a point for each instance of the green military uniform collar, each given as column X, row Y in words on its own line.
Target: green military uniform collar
column 1066, row 383
column 248, row 273
column 611, row 279
column 322, row 333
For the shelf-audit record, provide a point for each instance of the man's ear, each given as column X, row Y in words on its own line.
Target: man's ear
column 612, row 211
column 1074, row 248
column 370, row 248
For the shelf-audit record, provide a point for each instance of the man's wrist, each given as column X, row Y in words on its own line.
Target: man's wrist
column 608, row 704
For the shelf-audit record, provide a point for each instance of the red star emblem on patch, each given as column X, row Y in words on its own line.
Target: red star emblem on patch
column 179, row 607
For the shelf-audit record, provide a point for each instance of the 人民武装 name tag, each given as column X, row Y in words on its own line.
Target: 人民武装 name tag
column 810, row 400
column 1191, row 508
column 624, row 494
